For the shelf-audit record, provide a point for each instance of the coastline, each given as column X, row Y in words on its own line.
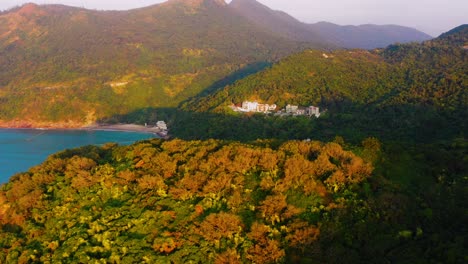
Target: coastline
column 94, row 127
column 128, row 128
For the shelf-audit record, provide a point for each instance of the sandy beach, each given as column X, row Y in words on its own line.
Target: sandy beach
column 128, row 128
column 76, row 126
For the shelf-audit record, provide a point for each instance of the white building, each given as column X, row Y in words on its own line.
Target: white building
column 313, row 111
column 301, row 111
column 291, row 109
column 161, row 125
column 250, row 106
column 265, row 108
column 255, row 106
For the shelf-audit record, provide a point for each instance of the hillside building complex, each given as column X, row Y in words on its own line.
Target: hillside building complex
column 294, row 110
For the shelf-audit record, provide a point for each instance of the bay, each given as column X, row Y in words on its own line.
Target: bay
column 21, row 149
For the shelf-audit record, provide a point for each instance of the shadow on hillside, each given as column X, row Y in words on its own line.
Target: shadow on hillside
column 191, row 100
column 235, row 76
column 403, row 123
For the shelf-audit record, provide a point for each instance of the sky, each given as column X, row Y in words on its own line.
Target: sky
column 430, row 16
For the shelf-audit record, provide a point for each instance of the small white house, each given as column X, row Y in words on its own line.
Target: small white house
column 313, row 111
column 161, row 125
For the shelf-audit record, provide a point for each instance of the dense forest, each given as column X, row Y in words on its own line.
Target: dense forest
column 412, row 93
column 406, row 92
column 225, row 202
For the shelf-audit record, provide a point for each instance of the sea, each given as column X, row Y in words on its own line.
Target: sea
column 21, row 149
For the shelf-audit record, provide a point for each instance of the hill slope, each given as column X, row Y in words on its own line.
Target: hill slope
column 278, row 22
column 225, row 202
column 404, row 92
column 167, row 202
column 60, row 63
column 455, row 37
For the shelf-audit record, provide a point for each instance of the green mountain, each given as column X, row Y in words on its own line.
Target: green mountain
column 360, row 76
column 59, row 63
column 403, row 92
column 457, row 36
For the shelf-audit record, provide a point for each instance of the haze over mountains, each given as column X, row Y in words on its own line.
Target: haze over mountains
column 364, row 36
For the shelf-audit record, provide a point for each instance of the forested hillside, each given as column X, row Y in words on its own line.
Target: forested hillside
column 69, row 67
column 60, row 63
column 220, row 202
column 406, row 92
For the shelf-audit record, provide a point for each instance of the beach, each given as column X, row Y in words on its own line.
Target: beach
column 77, row 126
column 129, row 128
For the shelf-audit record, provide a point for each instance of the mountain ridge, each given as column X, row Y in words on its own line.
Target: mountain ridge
column 363, row 36
column 456, row 36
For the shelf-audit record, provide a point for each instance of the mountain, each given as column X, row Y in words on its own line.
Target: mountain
column 362, row 76
column 364, row 36
column 60, row 63
column 406, row 92
column 278, row 22
column 368, row 36
column 457, row 36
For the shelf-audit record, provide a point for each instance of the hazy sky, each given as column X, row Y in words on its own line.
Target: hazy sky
column 430, row 16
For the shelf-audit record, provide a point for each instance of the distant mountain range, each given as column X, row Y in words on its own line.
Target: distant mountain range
column 73, row 65
column 364, row 36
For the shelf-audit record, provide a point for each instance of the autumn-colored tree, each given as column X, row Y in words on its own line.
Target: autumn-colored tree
column 269, row 252
column 127, row 177
column 149, row 182
column 297, row 170
column 302, row 234
column 221, row 225
column 230, row 256
column 272, row 207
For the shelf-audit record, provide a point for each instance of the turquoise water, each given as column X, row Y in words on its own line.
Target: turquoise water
column 22, row 149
